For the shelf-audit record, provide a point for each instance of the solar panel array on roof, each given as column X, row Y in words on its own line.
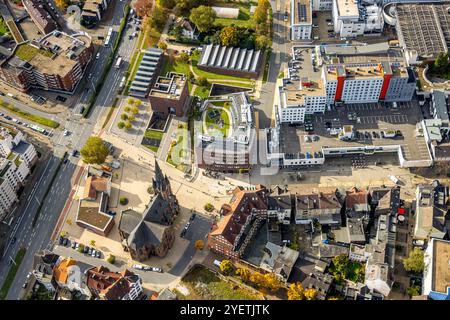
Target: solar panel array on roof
column 230, row 58
column 302, row 12
column 144, row 74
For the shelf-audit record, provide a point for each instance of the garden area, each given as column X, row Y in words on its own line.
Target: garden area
column 3, row 27
column 152, row 139
column 217, row 120
column 244, row 18
column 203, row 284
column 131, row 110
column 179, row 154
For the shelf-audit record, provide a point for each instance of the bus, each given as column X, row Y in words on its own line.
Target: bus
column 118, row 63
column 108, row 37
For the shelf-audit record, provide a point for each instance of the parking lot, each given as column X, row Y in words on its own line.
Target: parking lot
column 370, row 122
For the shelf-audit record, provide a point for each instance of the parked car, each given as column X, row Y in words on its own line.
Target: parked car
column 74, row 245
column 90, row 251
column 86, row 249
column 138, row 267
column 65, row 242
column 98, row 254
column 155, row 269
column 61, row 240
column 94, row 252
column 192, row 217
column 418, row 243
column 25, row 285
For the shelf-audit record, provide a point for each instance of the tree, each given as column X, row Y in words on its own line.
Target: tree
column 93, row 243
column 131, row 118
column 162, row 45
column 81, row 248
column 199, row 244
column 183, row 7
column 229, row 36
column 202, row 81
column 168, row 4
column 135, row 110
column 121, row 125
column 128, row 125
column 130, row 101
column 258, row 279
column 209, row 207
column 94, row 151
column 413, row 291
column 127, row 109
column 143, row 8
column 244, row 274
column 441, row 64
column 342, row 268
column 260, row 15
column 111, row 259
column 226, row 266
column 190, row 76
column 203, row 17
column 123, row 201
column 158, row 18
column 124, row 116
column 296, row 292
column 62, row 4
column 262, row 42
column 184, row 57
column 271, row 282
column 414, row 262
column 311, row 294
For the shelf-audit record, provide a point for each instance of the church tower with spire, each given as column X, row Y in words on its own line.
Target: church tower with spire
column 161, row 184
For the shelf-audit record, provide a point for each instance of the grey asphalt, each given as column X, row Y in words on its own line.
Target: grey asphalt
column 280, row 55
column 38, row 237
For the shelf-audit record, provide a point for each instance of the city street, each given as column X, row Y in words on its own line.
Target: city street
column 34, row 239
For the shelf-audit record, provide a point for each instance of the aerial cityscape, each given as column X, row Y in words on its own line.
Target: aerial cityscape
column 224, row 150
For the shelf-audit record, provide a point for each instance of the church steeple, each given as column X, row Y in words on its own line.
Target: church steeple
column 161, row 184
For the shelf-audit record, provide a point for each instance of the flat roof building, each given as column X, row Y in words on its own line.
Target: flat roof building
column 169, row 94
column 56, row 63
column 436, row 275
column 301, row 19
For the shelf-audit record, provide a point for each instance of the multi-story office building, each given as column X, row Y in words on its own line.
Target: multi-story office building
column 56, row 63
column 301, row 20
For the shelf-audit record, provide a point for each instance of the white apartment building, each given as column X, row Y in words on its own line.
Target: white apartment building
column 322, row 5
column 346, row 18
column 352, row 19
column 16, row 159
column 296, row 102
column 7, row 196
column 8, row 140
column 301, row 20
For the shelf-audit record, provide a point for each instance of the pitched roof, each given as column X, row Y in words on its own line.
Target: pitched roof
column 95, row 184
column 60, row 272
column 110, row 285
column 241, row 206
column 356, row 196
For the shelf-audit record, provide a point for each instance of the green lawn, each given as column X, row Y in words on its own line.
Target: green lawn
column 205, row 285
column 179, row 67
column 202, row 92
column 27, row 52
column 244, row 19
column 26, row 115
column 213, row 126
column 3, row 27
column 153, row 134
column 12, row 273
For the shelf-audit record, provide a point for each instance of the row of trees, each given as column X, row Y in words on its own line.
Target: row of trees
column 268, row 280
column 297, row 292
